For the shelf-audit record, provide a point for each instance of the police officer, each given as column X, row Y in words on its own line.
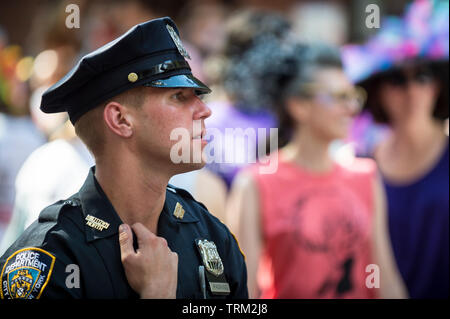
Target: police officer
column 127, row 233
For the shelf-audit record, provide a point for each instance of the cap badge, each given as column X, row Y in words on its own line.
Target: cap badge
column 132, row 77
column 177, row 41
column 96, row 223
column 178, row 212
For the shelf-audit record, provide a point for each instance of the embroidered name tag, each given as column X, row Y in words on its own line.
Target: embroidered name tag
column 26, row 273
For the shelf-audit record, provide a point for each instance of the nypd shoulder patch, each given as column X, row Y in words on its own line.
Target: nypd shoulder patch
column 26, row 273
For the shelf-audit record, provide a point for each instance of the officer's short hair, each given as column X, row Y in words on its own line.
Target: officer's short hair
column 90, row 128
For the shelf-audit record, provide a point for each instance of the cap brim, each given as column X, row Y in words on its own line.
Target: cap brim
column 181, row 81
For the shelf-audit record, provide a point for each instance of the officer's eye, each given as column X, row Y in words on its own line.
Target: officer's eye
column 179, row 96
column 200, row 96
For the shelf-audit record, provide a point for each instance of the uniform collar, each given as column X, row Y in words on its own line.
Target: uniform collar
column 172, row 198
column 95, row 203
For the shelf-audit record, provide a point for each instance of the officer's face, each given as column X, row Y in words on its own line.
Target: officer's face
column 165, row 131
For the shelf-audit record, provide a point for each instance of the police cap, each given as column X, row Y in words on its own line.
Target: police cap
column 149, row 54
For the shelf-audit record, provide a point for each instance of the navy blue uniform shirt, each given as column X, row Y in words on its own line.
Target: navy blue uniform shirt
column 79, row 236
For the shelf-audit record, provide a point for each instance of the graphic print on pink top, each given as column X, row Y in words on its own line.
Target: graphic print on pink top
column 316, row 230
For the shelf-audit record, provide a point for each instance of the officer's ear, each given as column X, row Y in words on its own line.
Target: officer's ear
column 118, row 119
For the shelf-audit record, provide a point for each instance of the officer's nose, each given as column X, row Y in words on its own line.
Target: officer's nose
column 202, row 110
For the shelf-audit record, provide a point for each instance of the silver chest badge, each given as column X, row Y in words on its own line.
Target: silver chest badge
column 177, row 41
column 210, row 257
column 215, row 275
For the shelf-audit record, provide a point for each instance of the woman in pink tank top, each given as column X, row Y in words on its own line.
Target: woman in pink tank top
column 314, row 228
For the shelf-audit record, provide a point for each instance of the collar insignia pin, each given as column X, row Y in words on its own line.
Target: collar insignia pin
column 178, row 212
column 96, row 223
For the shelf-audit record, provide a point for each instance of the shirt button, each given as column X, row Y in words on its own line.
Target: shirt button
column 70, row 202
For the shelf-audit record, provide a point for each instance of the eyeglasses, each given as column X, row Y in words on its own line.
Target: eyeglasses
column 400, row 78
column 354, row 98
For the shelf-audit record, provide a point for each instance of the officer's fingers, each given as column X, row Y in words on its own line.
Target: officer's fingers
column 125, row 241
column 162, row 242
column 173, row 268
column 174, row 257
column 143, row 234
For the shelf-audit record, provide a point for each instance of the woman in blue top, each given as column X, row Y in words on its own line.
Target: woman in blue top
column 414, row 161
column 411, row 96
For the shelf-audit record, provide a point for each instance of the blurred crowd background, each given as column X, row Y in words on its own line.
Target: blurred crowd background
column 42, row 161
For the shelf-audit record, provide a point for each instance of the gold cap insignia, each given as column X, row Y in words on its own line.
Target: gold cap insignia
column 132, row 77
column 210, row 257
column 178, row 212
column 96, row 223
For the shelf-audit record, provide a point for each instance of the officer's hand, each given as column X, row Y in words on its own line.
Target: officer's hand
column 153, row 269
